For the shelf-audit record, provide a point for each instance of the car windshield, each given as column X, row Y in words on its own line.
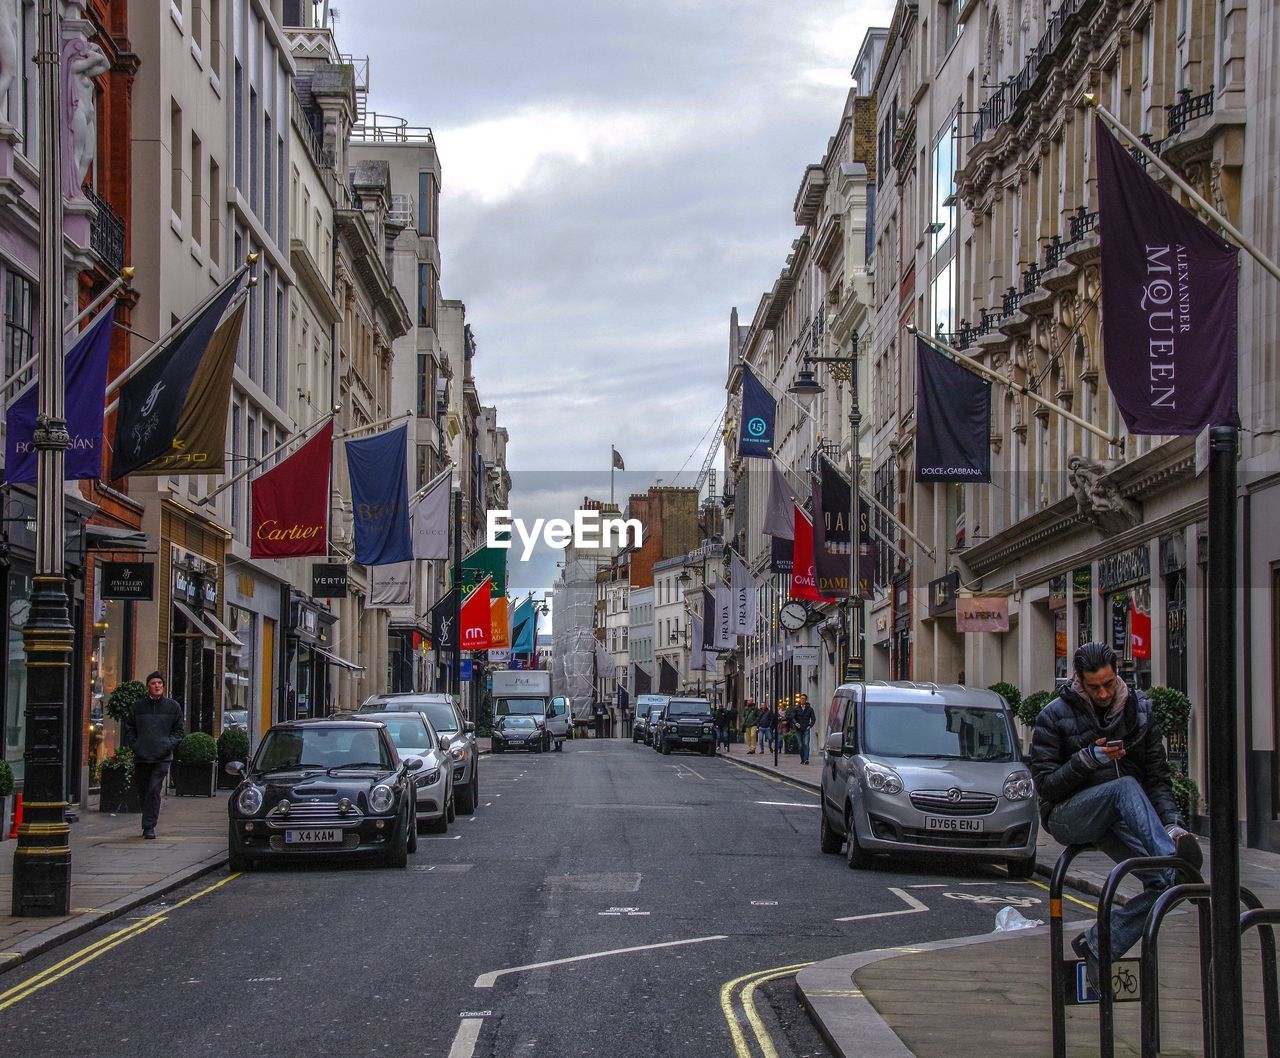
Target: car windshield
column 654, row 714
column 439, row 713
column 690, row 708
column 407, row 731
column 321, row 747
column 936, row 731
column 521, row 706
column 509, row 722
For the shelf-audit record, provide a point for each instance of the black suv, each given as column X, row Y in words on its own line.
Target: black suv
column 686, row 723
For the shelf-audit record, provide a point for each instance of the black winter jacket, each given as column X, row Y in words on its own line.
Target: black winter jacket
column 1069, row 723
column 153, row 729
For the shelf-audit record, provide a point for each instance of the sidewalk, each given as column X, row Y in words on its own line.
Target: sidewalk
column 114, row 870
column 990, row 993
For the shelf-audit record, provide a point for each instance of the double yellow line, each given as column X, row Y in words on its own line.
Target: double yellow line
column 87, row 954
column 747, row 985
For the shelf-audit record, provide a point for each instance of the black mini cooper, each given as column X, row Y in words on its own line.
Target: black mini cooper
column 323, row 788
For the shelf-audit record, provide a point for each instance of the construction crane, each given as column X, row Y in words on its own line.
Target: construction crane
column 706, row 471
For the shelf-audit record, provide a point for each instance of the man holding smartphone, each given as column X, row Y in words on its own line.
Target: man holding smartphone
column 1100, row 768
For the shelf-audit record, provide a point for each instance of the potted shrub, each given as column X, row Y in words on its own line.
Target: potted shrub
column 1171, row 710
column 1009, row 693
column 6, row 798
column 116, row 792
column 120, row 702
column 1029, row 708
column 194, row 764
column 233, row 744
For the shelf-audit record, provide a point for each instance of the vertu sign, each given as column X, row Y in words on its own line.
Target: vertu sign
column 128, row 580
column 328, row 581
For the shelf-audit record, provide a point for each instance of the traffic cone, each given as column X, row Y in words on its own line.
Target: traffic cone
column 17, row 815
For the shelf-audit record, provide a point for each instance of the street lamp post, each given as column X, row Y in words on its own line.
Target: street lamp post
column 806, row 385
column 42, row 859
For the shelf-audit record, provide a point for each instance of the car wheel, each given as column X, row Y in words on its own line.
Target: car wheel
column 497, row 749
column 411, row 843
column 398, row 854
column 666, row 749
column 855, row 855
column 438, row 826
column 560, row 745
column 827, row 836
column 1022, row 870
column 470, row 794
column 237, row 861
column 450, row 809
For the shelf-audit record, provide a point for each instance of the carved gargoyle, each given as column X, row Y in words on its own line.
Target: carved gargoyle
column 1098, row 500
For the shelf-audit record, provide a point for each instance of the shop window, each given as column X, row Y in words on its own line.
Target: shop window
column 19, row 605
column 109, row 667
column 19, row 323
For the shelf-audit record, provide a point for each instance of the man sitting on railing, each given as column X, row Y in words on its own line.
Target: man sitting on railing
column 1102, row 774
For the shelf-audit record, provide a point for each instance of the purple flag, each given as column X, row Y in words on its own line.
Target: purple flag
column 1169, row 308
column 86, row 386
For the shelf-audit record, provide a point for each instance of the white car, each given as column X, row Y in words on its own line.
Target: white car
column 413, row 736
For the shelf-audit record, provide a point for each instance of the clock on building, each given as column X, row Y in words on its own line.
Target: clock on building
column 793, row 616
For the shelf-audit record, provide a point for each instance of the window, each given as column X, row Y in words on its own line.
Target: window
column 268, row 184
column 239, row 93
column 426, row 204
column 949, row 31
column 19, row 324
column 426, row 297
column 175, row 158
column 237, row 449
column 268, row 314
column 215, row 37
column 424, row 382
column 197, row 24
column 215, row 228
column 197, row 190
column 255, row 151
column 424, row 453
column 281, row 233
column 280, row 344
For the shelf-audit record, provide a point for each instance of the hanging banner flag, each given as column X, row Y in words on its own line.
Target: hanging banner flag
column 499, row 630
column 431, row 520
column 755, row 432
column 172, row 415
column 697, row 650
column 831, row 571
column 289, row 504
column 444, row 631
column 524, row 628
column 476, row 632
column 501, row 658
column 1139, row 631
column 780, row 555
column 617, row 463
column 328, row 581
column 1169, row 305
column 744, row 589
column 391, row 585
column 708, row 638
column 777, row 508
column 668, row 677
column 979, row 613
column 642, row 681
column 86, row 381
column 804, row 582
column 380, row 497
column 953, row 420
column 485, row 562
column 725, row 639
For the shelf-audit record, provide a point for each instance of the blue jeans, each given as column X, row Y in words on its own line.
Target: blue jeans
column 804, row 745
column 1117, row 817
column 765, row 734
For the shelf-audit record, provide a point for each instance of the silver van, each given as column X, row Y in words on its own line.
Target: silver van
column 926, row 768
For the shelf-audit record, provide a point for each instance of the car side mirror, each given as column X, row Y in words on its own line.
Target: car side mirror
column 234, row 767
column 468, row 727
column 835, row 742
column 413, row 763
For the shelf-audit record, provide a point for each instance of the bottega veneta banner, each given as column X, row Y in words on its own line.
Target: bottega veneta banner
column 1169, row 305
column 380, row 497
column 755, row 433
column 86, row 382
column 172, row 416
column 290, row 502
column 953, row 420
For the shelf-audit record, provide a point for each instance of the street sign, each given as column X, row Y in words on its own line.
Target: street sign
column 1126, row 983
column 805, row 657
column 464, row 670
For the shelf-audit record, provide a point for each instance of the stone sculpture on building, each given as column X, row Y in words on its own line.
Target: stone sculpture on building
column 1098, row 500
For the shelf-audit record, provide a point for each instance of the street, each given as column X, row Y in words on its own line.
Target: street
column 710, row 871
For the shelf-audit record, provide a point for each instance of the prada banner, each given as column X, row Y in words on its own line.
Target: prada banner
column 328, row 581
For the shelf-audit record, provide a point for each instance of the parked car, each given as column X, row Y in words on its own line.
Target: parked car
column 640, row 726
column 685, row 723
column 918, row 767
column 323, row 788
column 235, row 718
column 441, row 711
column 519, row 732
column 651, row 725
column 413, row 736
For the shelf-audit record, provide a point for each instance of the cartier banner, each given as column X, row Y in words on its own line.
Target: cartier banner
column 291, row 502
column 1168, row 303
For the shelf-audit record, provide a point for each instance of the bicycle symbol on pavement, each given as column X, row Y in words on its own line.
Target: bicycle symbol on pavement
column 992, row 898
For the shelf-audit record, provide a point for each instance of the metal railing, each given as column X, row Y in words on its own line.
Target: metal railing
column 106, row 232
column 1187, row 109
column 387, row 128
column 1081, row 223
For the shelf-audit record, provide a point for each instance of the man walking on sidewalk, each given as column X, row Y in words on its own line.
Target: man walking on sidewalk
column 1100, row 769
column 764, row 729
column 802, row 718
column 152, row 730
column 749, row 717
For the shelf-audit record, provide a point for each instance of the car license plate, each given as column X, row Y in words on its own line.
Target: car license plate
column 953, row 823
column 313, row 837
column 689, row 738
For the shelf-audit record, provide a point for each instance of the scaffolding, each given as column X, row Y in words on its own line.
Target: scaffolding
column 573, row 641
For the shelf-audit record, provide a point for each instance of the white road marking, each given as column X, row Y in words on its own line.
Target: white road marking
column 914, row 907
column 464, row 1042
column 488, row 804
column 931, row 885
column 487, row 980
column 993, row 898
column 787, row 804
column 764, row 903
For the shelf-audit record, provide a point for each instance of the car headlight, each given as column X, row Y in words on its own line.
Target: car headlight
column 381, row 797
column 706, row 729
column 249, row 800
column 1019, row 787
column 458, row 753
column 882, row 779
column 433, row 777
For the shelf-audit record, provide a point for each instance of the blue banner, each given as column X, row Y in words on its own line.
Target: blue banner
column 465, row 670
column 86, row 384
column 380, row 497
column 524, row 623
column 755, row 432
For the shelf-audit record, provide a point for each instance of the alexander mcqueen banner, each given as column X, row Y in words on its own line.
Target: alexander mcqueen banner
column 755, row 433
column 290, row 502
column 953, row 420
column 1169, row 303
column 380, row 497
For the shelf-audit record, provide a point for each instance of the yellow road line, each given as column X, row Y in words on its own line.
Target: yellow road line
column 92, row 951
column 1065, row 896
column 740, row 1048
column 749, row 1005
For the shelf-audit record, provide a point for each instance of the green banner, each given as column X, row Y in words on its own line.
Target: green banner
column 485, row 562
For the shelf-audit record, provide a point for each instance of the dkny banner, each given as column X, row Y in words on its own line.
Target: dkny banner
column 755, row 433
column 380, row 497
column 953, row 420
column 1169, row 306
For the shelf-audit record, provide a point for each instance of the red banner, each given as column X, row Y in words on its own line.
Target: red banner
column 290, row 503
column 476, row 632
column 1139, row 631
column 804, row 581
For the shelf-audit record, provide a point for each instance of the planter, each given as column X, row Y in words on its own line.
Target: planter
column 193, row 780
column 225, row 781
column 6, row 816
column 115, row 793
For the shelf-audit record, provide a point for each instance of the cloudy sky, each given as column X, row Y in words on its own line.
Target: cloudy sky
column 618, row 175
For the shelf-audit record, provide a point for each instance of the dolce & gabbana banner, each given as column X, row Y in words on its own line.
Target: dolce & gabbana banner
column 1169, row 303
column 290, row 502
column 953, row 420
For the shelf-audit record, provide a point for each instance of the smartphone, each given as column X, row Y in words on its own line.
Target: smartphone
column 1116, row 743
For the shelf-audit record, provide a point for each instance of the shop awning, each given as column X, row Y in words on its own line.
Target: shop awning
column 110, row 538
column 228, row 637
column 333, row 659
column 196, row 620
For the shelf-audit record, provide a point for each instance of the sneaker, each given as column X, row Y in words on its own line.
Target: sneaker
column 149, row 834
column 1081, row 947
column 1186, row 847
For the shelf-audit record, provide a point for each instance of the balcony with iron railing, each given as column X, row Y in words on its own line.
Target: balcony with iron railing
column 106, row 233
column 1187, row 109
column 386, row 128
column 401, row 214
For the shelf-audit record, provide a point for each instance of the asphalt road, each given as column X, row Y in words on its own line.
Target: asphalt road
column 605, row 846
